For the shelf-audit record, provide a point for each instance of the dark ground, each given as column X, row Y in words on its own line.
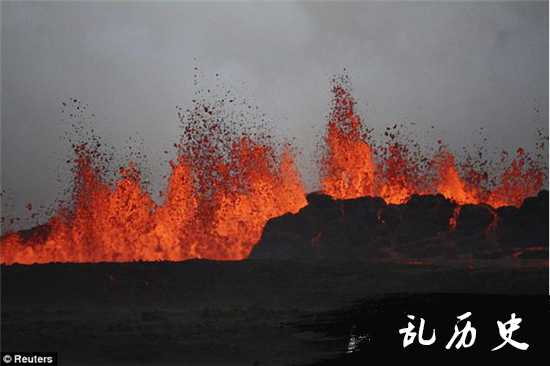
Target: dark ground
column 206, row 313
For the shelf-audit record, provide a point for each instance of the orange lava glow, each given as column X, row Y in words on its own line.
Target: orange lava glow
column 353, row 168
column 217, row 216
column 350, row 165
column 222, row 190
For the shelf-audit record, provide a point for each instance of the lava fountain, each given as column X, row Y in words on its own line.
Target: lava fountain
column 225, row 184
column 352, row 168
column 223, row 188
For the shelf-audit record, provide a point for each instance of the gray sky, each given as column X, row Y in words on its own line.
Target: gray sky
column 455, row 65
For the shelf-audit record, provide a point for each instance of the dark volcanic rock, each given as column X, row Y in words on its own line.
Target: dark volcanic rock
column 327, row 228
column 422, row 217
column 474, row 219
column 428, row 226
column 526, row 226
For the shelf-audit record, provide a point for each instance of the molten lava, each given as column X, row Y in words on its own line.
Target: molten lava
column 354, row 168
column 224, row 186
column 217, row 202
column 349, row 165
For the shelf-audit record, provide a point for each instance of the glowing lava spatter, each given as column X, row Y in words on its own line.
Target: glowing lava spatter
column 222, row 190
column 352, row 168
column 225, row 184
column 348, row 166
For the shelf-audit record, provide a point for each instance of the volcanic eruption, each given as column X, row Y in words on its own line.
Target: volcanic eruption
column 352, row 168
column 227, row 182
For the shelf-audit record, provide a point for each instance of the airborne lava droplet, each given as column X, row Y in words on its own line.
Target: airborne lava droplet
column 352, row 167
column 228, row 180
